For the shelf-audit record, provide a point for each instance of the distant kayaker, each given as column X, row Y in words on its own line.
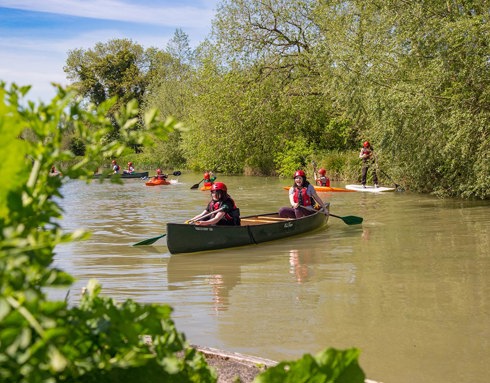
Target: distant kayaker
column 322, row 180
column 160, row 175
column 220, row 199
column 115, row 167
column 303, row 198
column 367, row 156
column 130, row 169
column 208, row 178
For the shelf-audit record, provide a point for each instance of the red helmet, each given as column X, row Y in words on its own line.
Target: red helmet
column 130, row 164
column 299, row 173
column 113, row 161
column 366, row 144
column 219, row 186
column 322, row 171
column 206, row 176
column 159, row 171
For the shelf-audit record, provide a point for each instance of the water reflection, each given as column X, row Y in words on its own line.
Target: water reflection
column 414, row 271
column 219, row 273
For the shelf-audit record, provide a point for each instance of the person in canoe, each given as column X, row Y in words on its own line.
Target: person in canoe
column 322, row 179
column 303, row 198
column 220, row 199
column 115, row 167
column 130, row 169
column 367, row 157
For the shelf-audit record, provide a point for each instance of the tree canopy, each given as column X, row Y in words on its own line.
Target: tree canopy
column 413, row 78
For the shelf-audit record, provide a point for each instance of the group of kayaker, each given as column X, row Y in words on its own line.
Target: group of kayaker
column 303, row 197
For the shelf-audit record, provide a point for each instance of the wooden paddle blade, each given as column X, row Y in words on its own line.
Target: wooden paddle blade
column 350, row 219
column 149, row 241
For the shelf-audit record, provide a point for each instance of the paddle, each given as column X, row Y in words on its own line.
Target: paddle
column 151, row 241
column 195, row 186
column 177, row 173
column 350, row 219
column 398, row 187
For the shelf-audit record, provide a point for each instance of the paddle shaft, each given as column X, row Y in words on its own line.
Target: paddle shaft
column 151, row 241
column 207, row 215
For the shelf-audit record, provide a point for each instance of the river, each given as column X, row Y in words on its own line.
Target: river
column 410, row 287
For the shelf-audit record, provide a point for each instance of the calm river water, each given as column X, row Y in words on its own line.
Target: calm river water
column 410, row 287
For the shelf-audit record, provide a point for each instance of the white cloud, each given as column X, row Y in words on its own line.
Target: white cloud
column 182, row 16
column 33, row 57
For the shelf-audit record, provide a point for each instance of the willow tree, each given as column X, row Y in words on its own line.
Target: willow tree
column 419, row 76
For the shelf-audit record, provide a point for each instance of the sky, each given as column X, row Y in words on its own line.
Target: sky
column 36, row 35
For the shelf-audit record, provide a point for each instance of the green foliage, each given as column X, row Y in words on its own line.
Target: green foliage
column 77, row 146
column 339, row 165
column 329, row 366
column 43, row 341
column 294, row 156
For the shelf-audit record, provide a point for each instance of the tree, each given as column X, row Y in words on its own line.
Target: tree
column 118, row 68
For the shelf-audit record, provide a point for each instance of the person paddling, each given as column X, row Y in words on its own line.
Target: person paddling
column 302, row 196
column 227, row 212
column 115, row 167
column 322, row 180
column 130, row 169
column 367, row 157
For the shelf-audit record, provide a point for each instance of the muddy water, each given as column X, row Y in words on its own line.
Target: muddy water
column 410, row 287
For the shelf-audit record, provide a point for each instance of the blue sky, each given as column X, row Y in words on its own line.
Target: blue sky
column 36, row 35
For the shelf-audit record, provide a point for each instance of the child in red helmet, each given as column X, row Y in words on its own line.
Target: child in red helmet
column 302, row 196
column 367, row 156
column 160, row 175
column 322, row 180
column 130, row 169
column 115, row 167
column 220, row 199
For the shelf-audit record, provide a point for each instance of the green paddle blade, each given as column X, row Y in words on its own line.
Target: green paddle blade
column 149, row 241
column 350, row 219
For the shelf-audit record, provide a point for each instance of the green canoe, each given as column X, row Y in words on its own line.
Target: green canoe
column 124, row 175
column 254, row 229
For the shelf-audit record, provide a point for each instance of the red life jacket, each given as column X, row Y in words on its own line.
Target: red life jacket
column 369, row 152
column 229, row 216
column 323, row 181
column 302, row 197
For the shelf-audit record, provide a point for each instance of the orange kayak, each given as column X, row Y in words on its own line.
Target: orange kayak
column 325, row 189
column 156, row 182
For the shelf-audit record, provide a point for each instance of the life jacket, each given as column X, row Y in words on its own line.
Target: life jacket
column 369, row 152
column 323, row 181
column 231, row 217
column 302, row 197
column 116, row 168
